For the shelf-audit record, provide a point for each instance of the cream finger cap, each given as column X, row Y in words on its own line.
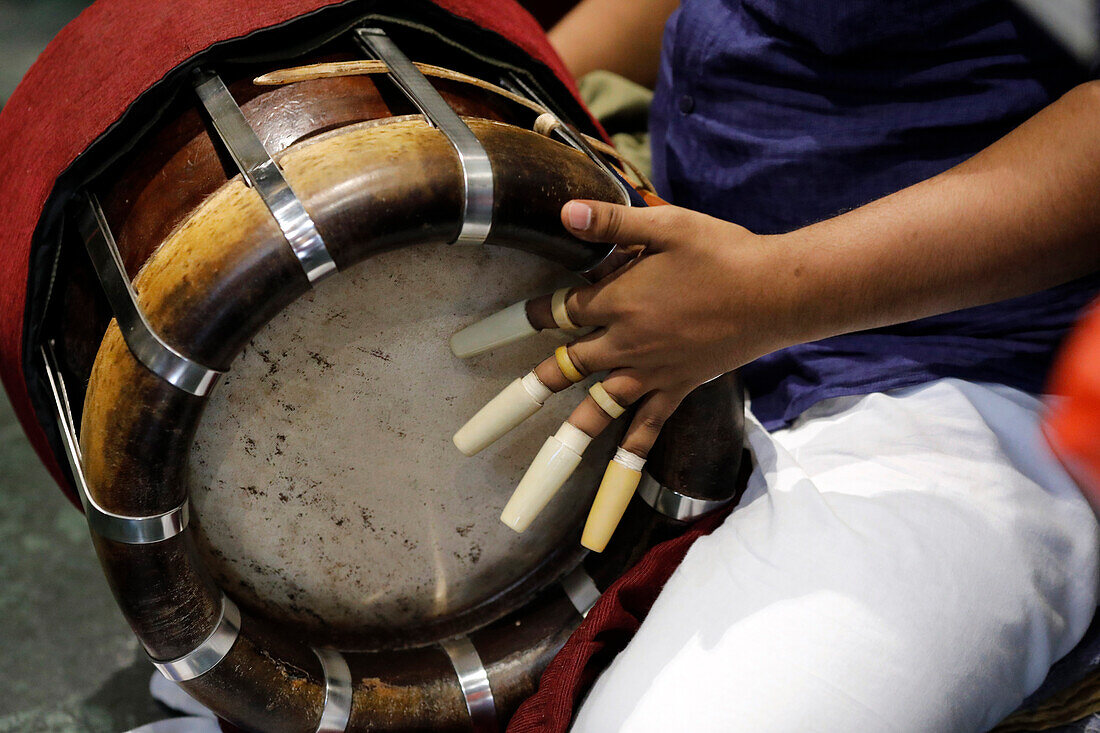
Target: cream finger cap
column 499, row 329
column 620, row 481
column 555, row 463
column 518, row 401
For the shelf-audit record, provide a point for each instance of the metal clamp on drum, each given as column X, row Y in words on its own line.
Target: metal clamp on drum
column 477, row 171
column 262, row 173
column 338, row 692
column 474, row 681
column 144, row 343
column 116, row 527
column 210, row 652
column 673, row 504
column 581, row 590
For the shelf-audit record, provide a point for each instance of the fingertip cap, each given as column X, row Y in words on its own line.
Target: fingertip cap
column 616, row 489
column 552, row 467
column 501, row 328
column 509, row 408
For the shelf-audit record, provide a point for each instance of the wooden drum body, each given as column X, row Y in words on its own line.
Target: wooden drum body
column 331, row 561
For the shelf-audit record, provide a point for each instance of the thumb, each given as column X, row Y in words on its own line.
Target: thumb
column 599, row 221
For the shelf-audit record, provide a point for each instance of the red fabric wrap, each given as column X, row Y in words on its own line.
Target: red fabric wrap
column 607, row 629
column 1073, row 423
column 84, row 81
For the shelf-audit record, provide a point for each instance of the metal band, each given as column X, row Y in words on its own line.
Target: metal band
column 262, row 173
column 581, row 589
column 143, row 342
column 474, row 682
column 337, row 711
column 673, row 504
column 210, row 652
column 477, row 171
column 116, row 527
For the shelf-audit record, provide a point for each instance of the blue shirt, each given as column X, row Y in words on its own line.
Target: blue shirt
column 778, row 113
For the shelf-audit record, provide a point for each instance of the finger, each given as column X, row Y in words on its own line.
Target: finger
column 582, row 307
column 624, row 472
column 561, row 453
column 573, row 362
column 517, row 321
column 500, row 329
column 525, row 396
column 655, row 227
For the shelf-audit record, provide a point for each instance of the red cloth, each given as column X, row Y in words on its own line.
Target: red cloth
column 609, row 626
column 84, row 81
column 1073, row 423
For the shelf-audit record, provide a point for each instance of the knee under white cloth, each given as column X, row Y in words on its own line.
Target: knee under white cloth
column 907, row 561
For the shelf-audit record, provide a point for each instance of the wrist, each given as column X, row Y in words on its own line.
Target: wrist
column 803, row 285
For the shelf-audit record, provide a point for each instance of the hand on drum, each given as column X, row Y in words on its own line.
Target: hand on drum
column 700, row 297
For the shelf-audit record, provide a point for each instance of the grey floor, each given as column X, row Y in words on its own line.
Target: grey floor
column 67, row 659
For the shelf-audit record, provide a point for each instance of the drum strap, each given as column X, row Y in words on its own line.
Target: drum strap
column 474, row 681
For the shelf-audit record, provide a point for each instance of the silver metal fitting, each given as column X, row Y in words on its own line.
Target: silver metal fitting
column 477, row 171
column 210, row 652
column 581, row 589
column 111, row 526
column 143, row 342
column 474, row 681
column 338, row 691
column 262, row 173
column 673, row 504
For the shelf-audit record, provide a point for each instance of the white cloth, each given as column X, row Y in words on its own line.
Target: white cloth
column 200, row 719
column 907, row 561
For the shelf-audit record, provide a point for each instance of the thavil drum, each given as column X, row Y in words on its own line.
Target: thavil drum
column 264, row 446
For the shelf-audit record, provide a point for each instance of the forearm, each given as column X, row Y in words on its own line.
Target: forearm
column 1021, row 216
column 623, row 36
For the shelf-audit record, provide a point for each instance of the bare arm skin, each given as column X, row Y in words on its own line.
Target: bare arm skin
column 623, row 36
column 708, row 296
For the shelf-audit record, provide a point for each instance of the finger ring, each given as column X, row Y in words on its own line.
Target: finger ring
column 557, row 309
column 606, row 402
column 561, row 354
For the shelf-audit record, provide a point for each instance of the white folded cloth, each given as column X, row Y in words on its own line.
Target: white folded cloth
column 907, row 561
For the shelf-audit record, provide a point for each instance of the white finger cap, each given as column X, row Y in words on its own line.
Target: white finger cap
column 518, row 401
column 499, row 329
column 555, row 463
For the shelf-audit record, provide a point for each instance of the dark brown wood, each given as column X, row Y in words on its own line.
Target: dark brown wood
column 699, row 451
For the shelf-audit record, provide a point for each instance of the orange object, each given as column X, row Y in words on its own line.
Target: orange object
column 1072, row 425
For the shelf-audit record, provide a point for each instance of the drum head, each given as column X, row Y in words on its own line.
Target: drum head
column 326, row 491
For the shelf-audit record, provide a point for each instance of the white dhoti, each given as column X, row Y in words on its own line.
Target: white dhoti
column 907, row 561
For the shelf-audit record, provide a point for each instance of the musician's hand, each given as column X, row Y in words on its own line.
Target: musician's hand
column 703, row 298
column 696, row 298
